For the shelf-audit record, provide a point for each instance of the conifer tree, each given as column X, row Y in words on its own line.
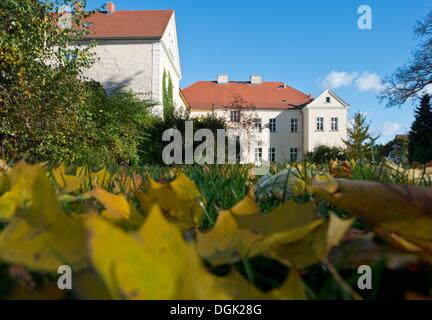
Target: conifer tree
column 167, row 96
column 420, row 136
column 359, row 140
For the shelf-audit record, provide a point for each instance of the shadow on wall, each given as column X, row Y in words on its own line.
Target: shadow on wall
column 125, row 84
column 283, row 140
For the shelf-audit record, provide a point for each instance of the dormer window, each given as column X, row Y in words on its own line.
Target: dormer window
column 328, row 100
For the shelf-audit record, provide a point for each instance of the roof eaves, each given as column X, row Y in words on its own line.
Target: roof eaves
column 123, row 38
column 346, row 104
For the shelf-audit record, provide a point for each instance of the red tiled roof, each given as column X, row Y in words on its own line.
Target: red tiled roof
column 205, row 95
column 129, row 24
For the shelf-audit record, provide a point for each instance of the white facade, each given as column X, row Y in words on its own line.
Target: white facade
column 139, row 64
column 287, row 135
column 328, row 106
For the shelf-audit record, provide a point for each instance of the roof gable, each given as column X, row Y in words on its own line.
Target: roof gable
column 143, row 24
column 321, row 101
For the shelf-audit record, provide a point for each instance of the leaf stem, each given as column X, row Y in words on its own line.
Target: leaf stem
column 341, row 281
column 248, row 269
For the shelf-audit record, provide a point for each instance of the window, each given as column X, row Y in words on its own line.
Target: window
column 334, row 124
column 257, row 124
column 320, row 124
column 328, row 100
column 272, row 125
column 293, row 154
column 258, row 154
column 71, row 56
column 235, row 116
column 272, row 154
column 294, row 125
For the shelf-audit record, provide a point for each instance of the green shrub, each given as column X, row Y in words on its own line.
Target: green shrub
column 324, row 154
column 118, row 128
column 151, row 151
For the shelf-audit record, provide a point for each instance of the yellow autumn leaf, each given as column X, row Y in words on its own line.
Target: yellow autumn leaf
column 377, row 202
column 239, row 288
column 337, row 228
column 128, row 271
column 225, row 243
column 316, row 245
column 101, row 177
column 20, row 180
column 66, row 183
column 179, row 200
column 196, row 283
column 288, row 216
column 246, row 207
column 155, row 263
column 164, row 242
column 39, row 237
column 161, row 238
column 58, row 173
column 244, row 232
column 292, row 289
column 399, row 209
column 146, row 200
column 305, row 252
column 117, row 207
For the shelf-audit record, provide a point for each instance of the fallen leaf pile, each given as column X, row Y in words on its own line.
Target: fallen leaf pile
column 128, row 236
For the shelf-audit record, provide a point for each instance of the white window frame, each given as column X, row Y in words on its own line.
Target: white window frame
column 317, row 122
column 293, row 151
column 258, row 154
column 235, row 116
column 328, row 100
column 272, row 154
column 295, row 123
column 334, row 124
column 257, row 124
column 272, row 125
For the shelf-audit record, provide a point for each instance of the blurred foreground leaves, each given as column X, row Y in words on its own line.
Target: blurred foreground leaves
column 128, row 236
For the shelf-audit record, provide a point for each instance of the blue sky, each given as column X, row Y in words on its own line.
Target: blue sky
column 308, row 44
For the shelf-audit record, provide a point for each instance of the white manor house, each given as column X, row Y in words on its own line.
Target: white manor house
column 135, row 49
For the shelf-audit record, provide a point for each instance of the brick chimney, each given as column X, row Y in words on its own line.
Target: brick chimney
column 110, row 6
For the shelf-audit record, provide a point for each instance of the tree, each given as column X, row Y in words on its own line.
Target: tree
column 395, row 150
column 420, row 135
column 399, row 152
column 360, row 141
column 170, row 93
column 167, row 96
column 412, row 78
column 41, row 88
column 112, row 141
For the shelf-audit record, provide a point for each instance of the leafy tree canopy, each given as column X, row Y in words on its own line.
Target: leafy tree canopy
column 40, row 88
